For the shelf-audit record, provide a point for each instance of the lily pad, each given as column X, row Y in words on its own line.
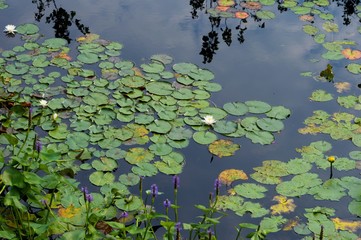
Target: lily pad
column 250, row 190
column 203, row 137
column 228, row 176
column 160, row 88
column 258, row 106
column 138, row 155
column 271, row 125
column 236, row 108
column 27, row 28
column 223, row 148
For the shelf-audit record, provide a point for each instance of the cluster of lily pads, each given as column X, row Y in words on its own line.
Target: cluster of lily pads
column 66, row 114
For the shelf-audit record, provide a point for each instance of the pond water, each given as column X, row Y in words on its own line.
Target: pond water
column 263, row 62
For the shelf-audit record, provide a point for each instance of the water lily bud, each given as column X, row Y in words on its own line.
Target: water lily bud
column 331, row 159
column 54, row 116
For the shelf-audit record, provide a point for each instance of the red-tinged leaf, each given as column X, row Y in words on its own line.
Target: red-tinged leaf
column 241, row 15
column 351, row 54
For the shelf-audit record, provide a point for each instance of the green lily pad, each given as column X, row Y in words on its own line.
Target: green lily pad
column 77, row 140
column 27, row 29
column 163, row 58
column 160, row 88
column 129, row 179
column 321, row 96
column 145, row 170
column 260, row 137
column 279, row 112
column 258, row 106
column 154, row 67
column 101, row 178
column 104, row 164
column 184, row 68
column 217, row 113
column 88, row 57
column 265, row 14
column 159, row 126
column 329, row 190
column 129, row 204
column 236, row 108
column 17, row 68
column 160, row 149
column 203, row 137
column 180, row 133
column 355, row 208
column 269, row 124
column 55, row 43
column 250, row 190
column 225, row 127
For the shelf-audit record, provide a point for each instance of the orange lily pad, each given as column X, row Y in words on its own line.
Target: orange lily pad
column 307, row 18
column 222, row 8
column 351, row 54
column 251, row 5
column 230, row 175
column 68, row 212
column 284, row 205
column 352, row 226
column 241, row 15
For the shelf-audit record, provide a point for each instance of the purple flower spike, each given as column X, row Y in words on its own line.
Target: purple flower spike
column 89, row 197
column 217, row 184
column 178, row 226
column 176, row 182
column 84, row 190
column 154, row 190
column 38, row 146
column 124, row 215
column 167, row 203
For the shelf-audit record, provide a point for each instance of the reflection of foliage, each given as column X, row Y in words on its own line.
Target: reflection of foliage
column 61, row 19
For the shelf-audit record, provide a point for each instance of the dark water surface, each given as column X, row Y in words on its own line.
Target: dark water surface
column 266, row 67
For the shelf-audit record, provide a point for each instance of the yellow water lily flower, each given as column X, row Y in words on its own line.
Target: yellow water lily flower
column 331, row 159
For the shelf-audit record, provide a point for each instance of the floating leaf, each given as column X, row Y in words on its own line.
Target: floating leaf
column 284, row 205
column 17, row 68
column 279, row 112
column 226, row 3
column 225, row 127
column 250, row 190
column 310, row 30
column 160, row 88
column 351, row 54
column 145, row 169
column 355, row 208
column 352, row 226
column 342, row 86
column 260, row 137
column 203, row 137
column 236, row 108
column 241, row 14
column 160, row 149
column 258, row 106
column 271, row 125
column 265, row 14
column 163, row 58
column 129, row 179
column 101, row 178
column 138, row 155
column 230, row 175
column 159, row 126
column 330, row 27
column 252, row 5
column 55, row 43
column 329, row 190
column 27, row 28
column 321, row 96
column 223, row 148
column 69, row 212
column 88, row 57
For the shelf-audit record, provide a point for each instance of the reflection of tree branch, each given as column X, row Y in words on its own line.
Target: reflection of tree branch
column 61, row 19
column 210, row 42
column 349, row 9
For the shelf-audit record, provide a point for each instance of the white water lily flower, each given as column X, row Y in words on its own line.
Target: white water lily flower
column 10, row 29
column 43, row 103
column 209, row 120
column 54, row 116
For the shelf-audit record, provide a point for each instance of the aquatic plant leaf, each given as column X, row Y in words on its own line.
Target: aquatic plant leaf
column 184, row 68
column 77, row 140
column 104, row 164
column 354, row 68
column 163, row 58
column 129, row 179
column 255, row 209
column 351, row 54
column 241, row 14
column 226, row 3
column 271, row 125
column 160, row 88
column 155, row 67
column 228, row 176
column 88, row 57
column 321, row 96
column 332, row 55
column 69, row 212
column 279, row 112
column 299, row 185
column 344, row 164
column 354, row 207
column 329, row 190
column 342, row 86
column 101, row 178
column 265, row 14
column 258, row 106
column 265, row 179
column 341, row 224
column 27, row 29
column 330, row 27
column 267, row 2
column 223, row 148
column 252, row 5
column 310, row 30
column 169, row 167
column 159, row 126
column 180, row 133
column 145, row 170
column 130, row 203
column 203, row 137
column 217, row 113
column 183, row 94
column 160, row 149
column 17, row 68
column 298, row 166
column 261, row 137
column 284, row 205
column 138, row 155
column 225, row 127
column 60, row 132
column 55, row 43
column 236, row 108
column 250, row 190
column 355, row 155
